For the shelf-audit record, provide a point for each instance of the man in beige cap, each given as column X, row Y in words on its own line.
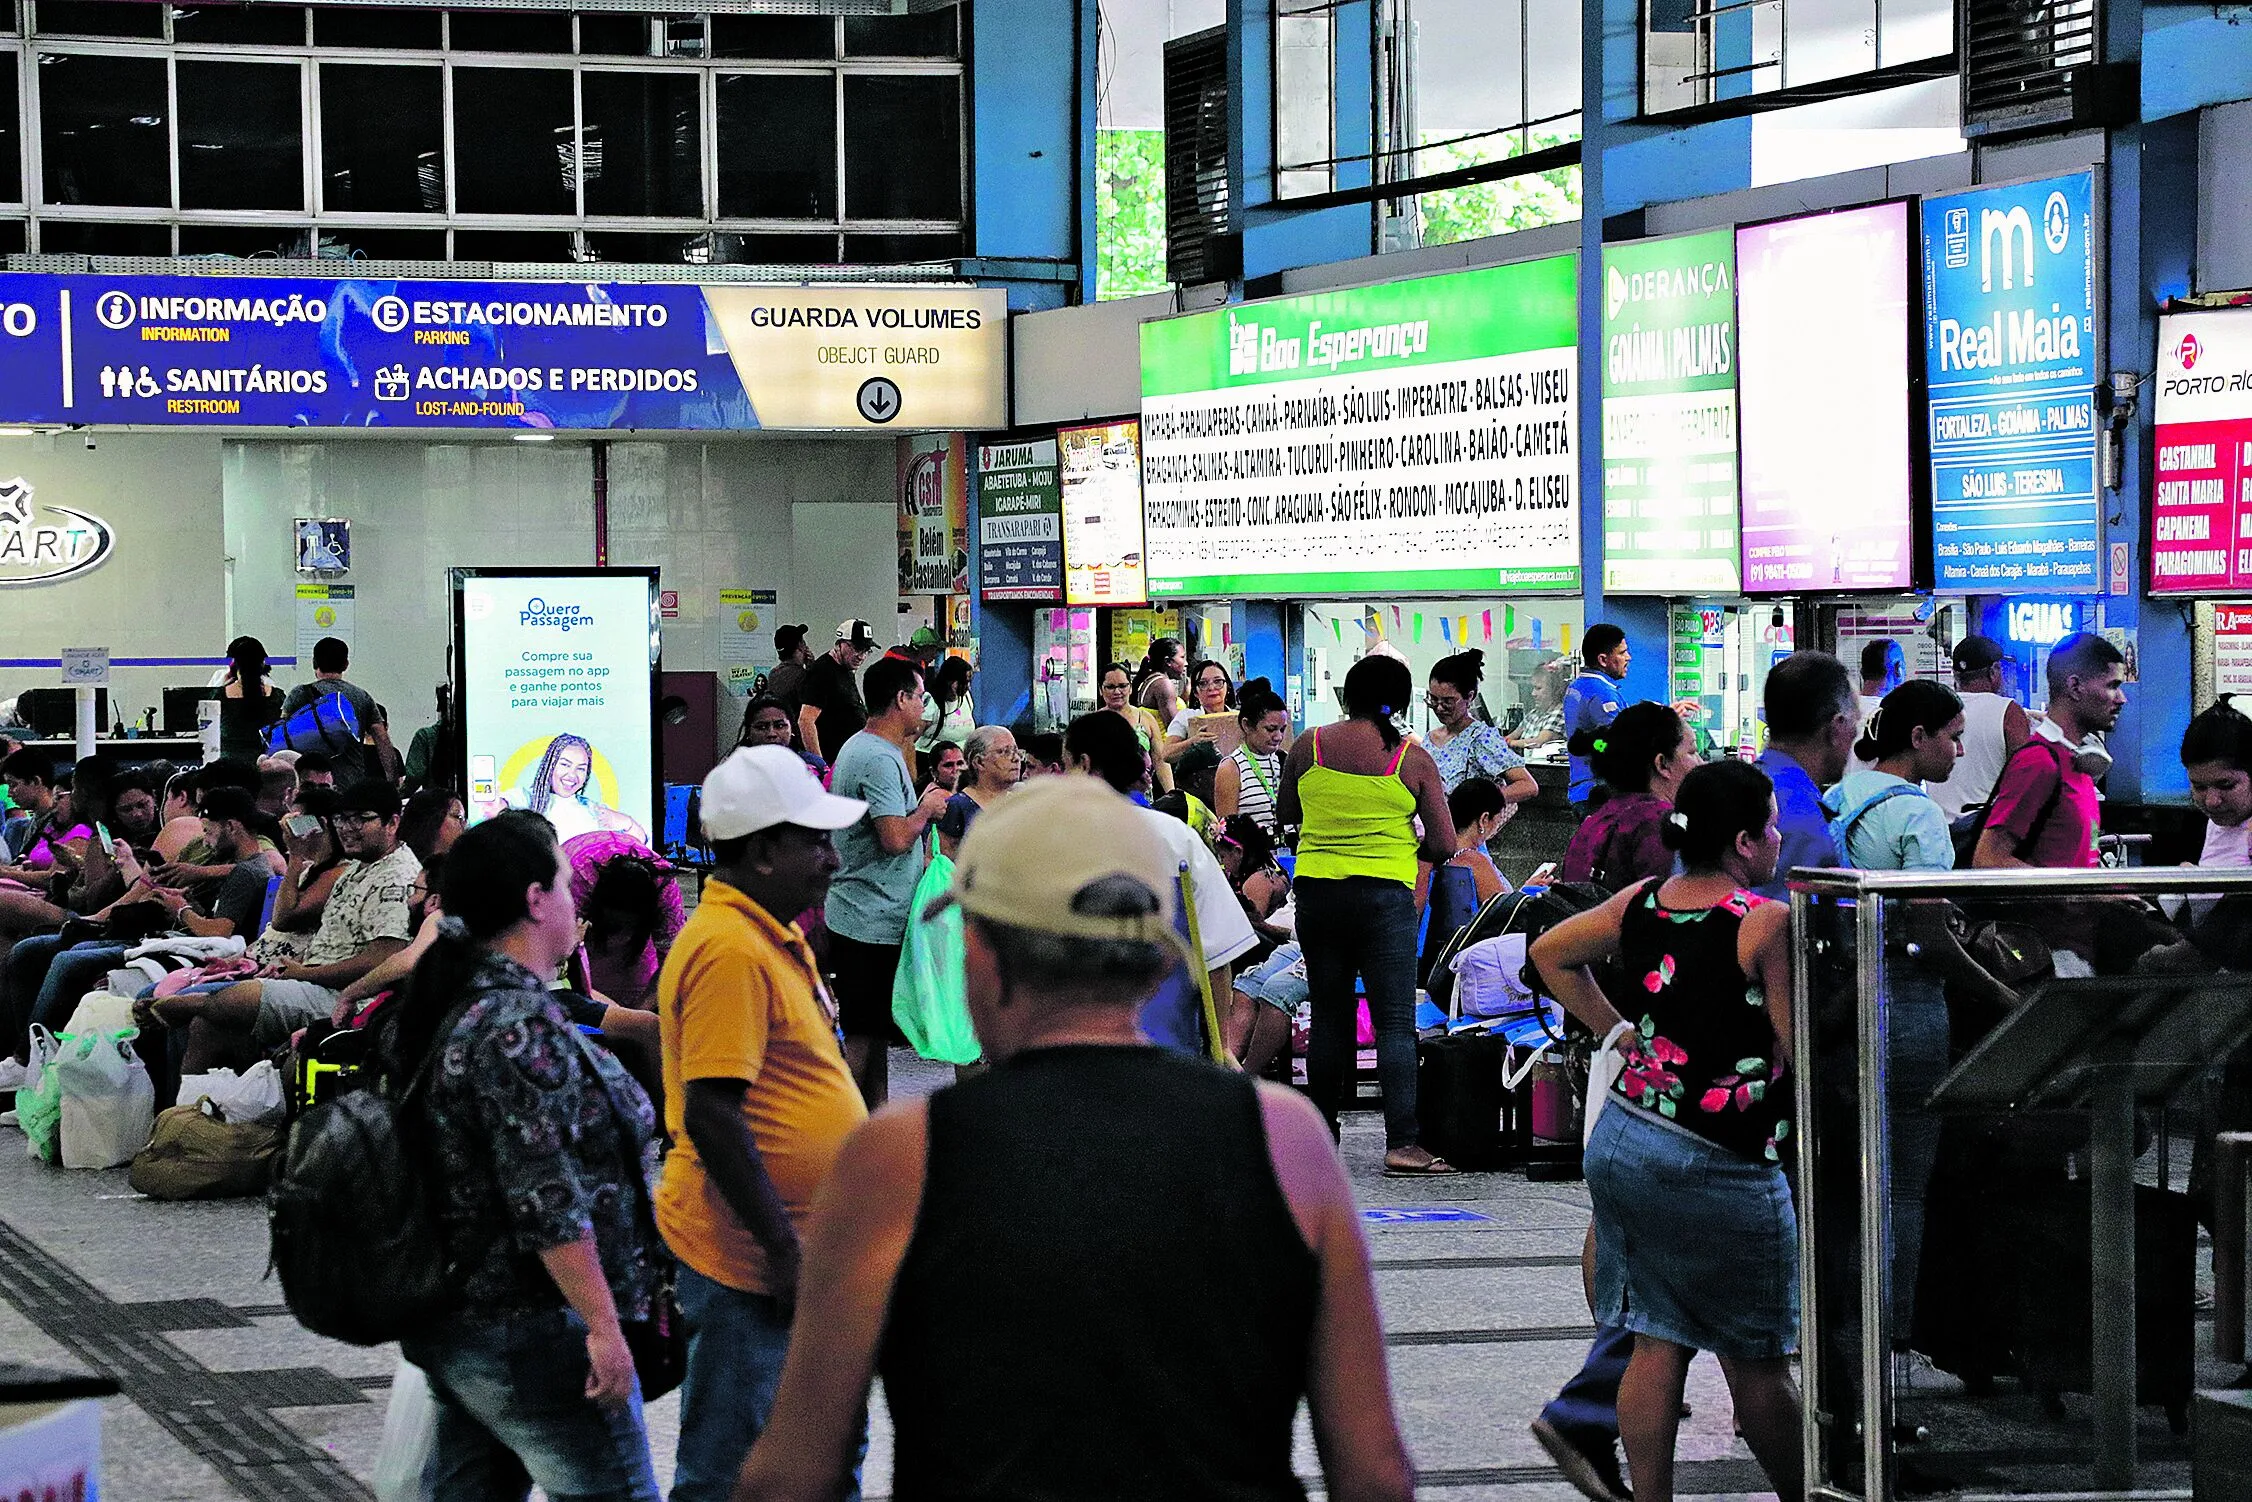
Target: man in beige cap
column 757, row 1097
column 1101, row 1268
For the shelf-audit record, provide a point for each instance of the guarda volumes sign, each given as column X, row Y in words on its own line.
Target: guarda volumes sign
column 1416, row 437
column 1669, row 416
column 262, row 352
column 41, row 544
column 2009, row 357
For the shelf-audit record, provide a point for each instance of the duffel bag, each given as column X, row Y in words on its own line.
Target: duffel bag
column 195, row 1153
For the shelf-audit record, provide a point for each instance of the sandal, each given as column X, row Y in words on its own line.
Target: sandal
column 1433, row 1166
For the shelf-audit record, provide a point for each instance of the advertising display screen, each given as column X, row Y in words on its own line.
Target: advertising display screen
column 555, row 673
column 1669, row 416
column 2201, row 501
column 1101, row 479
column 281, row 353
column 2009, row 359
column 1822, row 316
column 1418, row 437
column 1019, row 522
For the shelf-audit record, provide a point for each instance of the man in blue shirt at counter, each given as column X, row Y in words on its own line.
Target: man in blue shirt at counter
column 1591, row 701
column 1813, row 717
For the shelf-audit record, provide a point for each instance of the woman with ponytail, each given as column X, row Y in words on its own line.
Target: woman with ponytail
column 1880, row 816
column 1249, row 782
column 538, row 1147
column 1640, row 758
column 1355, row 789
column 1696, row 1239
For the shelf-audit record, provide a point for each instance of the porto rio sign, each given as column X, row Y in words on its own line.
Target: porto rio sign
column 40, row 544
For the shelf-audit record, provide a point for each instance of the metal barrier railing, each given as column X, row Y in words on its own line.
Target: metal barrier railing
column 2101, row 1044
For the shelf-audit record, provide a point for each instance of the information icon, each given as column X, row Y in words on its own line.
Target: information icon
column 879, row 399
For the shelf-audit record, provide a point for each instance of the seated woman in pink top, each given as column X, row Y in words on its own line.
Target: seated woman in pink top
column 625, row 893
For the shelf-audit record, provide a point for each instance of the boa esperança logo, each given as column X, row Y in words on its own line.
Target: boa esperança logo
column 43, row 543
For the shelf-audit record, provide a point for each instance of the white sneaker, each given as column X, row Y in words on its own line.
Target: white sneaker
column 1912, row 1372
column 8, row 1119
column 12, row 1075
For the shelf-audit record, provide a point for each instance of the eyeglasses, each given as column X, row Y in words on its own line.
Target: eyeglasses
column 1443, row 702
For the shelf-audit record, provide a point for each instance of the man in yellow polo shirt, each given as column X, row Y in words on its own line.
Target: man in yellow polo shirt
column 757, row 1097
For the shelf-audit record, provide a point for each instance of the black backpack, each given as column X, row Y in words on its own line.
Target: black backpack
column 353, row 1216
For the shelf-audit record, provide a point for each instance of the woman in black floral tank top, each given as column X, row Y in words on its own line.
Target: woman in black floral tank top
column 1696, row 1240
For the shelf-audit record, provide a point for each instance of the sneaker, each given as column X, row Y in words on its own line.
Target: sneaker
column 13, row 1073
column 1912, row 1372
column 1592, row 1469
column 8, row 1119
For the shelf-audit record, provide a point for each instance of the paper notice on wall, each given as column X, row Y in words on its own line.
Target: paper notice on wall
column 2232, row 650
column 747, row 621
column 322, row 610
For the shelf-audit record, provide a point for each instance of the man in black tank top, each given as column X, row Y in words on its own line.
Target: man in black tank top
column 1100, row 1269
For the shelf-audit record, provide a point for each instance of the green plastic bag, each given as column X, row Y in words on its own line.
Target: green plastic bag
column 39, row 1109
column 929, row 999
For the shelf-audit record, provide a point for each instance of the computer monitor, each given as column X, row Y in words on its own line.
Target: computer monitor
column 180, row 709
column 52, row 713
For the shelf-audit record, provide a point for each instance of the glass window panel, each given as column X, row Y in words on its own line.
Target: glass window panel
column 614, row 36
column 775, row 250
column 777, row 146
column 245, row 241
column 787, row 37
column 7, row 20
column 1552, row 73
column 1469, row 75
column 77, row 237
column 1827, row 39
column 893, row 249
column 352, row 243
column 105, row 130
column 97, row 18
column 512, row 141
column 1305, row 99
column 510, row 31
column 512, row 245
column 903, row 146
column 932, row 34
column 240, row 25
column 11, row 138
column 240, row 143
column 649, row 249
column 642, row 144
column 383, row 139
column 11, row 237
column 378, row 26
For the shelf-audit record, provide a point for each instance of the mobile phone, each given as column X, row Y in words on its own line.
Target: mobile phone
column 300, row 825
column 1542, row 877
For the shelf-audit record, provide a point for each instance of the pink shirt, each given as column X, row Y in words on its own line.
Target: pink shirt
column 2066, row 838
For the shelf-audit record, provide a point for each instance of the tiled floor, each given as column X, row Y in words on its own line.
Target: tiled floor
column 227, row 1397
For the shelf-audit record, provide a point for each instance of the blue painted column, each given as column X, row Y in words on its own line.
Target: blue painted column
column 2151, row 244
column 1259, row 625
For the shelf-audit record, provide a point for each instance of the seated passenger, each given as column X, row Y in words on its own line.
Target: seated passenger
column 364, row 922
column 627, row 898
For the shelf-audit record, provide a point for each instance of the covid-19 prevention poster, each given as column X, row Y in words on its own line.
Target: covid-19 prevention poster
column 555, row 675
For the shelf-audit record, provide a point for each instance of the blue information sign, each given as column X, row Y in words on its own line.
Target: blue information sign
column 2010, row 356
column 275, row 352
column 1422, row 1215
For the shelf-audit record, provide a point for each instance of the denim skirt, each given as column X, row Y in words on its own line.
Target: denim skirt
column 1694, row 1244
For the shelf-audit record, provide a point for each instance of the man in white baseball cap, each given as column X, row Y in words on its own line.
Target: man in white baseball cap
column 832, row 711
column 757, row 1097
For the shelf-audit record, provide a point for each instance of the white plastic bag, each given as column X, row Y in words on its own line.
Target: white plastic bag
column 108, row 1104
column 253, row 1096
column 43, row 1050
column 101, row 1012
column 1490, row 978
column 410, row 1436
column 1603, row 1072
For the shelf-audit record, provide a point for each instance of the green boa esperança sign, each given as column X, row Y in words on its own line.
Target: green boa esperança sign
column 1669, row 416
column 1413, row 438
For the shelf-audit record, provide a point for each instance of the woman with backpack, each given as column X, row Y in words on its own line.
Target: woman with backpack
column 537, row 1153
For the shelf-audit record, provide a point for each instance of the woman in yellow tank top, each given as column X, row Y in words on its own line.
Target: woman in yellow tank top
column 1356, row 790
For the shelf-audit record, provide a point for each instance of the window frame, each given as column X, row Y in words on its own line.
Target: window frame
column 23, row 49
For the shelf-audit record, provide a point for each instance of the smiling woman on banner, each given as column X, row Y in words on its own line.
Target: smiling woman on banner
column 561, row 789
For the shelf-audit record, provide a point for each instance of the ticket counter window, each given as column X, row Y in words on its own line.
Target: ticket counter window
column 1063, row 666
column 1718, row 656
column 1531, row 649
